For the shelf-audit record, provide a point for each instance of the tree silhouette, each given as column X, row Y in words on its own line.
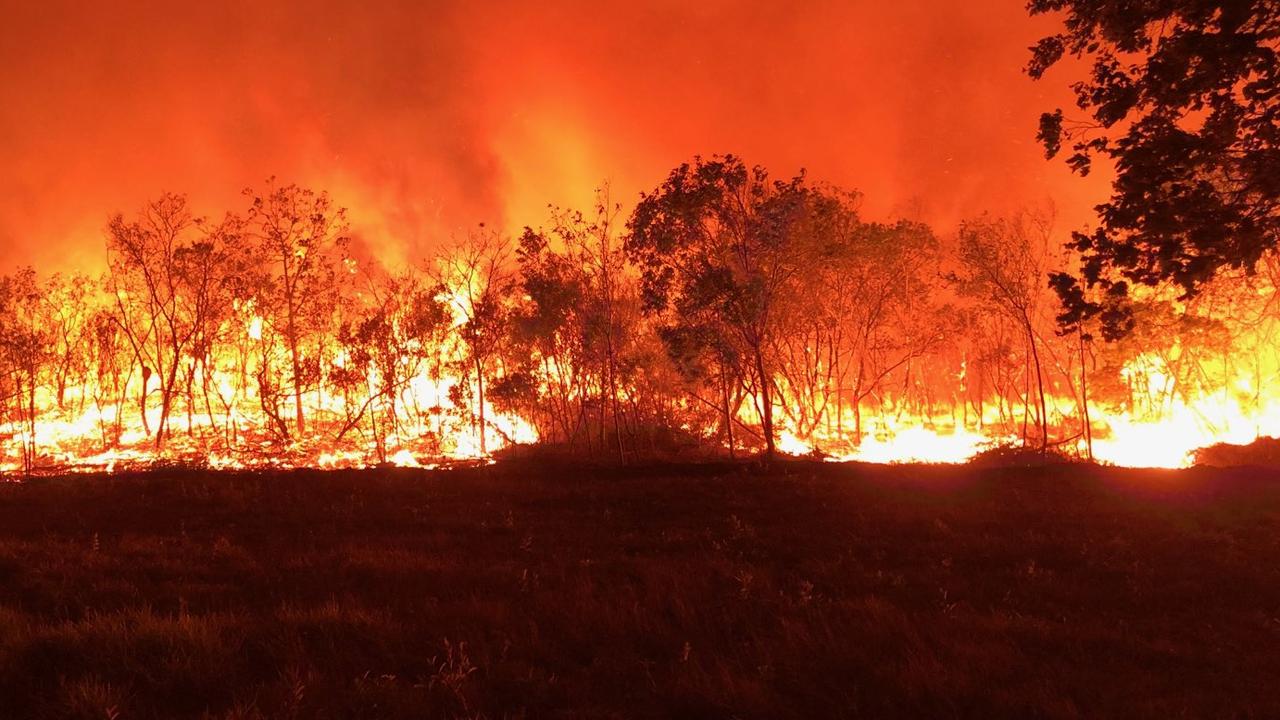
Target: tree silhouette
column 157, row 258
column 715, row 244
column 477, row 277
column 576, row 323
column 24, row 353
column 392, row 335
column 1001, row 264
column 300, row 234
column 1184, row 98
column 860, row 312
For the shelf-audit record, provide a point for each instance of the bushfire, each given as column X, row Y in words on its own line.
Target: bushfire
column 751, row 315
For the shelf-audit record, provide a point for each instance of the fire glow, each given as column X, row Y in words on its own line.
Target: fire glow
column 452, row 361
column 69, row 441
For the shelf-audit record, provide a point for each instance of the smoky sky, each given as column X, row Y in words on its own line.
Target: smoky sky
column 427, row 118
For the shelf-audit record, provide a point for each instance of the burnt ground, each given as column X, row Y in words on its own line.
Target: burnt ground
column 527, row 590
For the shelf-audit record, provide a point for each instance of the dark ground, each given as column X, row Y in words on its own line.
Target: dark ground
column 713, row 591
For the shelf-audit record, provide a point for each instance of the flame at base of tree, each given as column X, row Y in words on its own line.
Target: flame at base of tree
column 1165, row 437
column 1169, row 440
column 256, row 341
column 434, row 421
column 428, row 428
column 272, row 340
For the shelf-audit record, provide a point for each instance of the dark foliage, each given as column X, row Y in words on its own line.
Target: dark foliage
column 1263, row 451
column 717, row 244
column 1184, row 98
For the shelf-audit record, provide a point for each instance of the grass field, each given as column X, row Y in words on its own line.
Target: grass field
column 530, row 590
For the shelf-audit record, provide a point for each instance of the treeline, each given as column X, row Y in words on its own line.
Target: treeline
column 729, row 311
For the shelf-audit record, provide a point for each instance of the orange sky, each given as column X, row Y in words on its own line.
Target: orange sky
column 425, row 118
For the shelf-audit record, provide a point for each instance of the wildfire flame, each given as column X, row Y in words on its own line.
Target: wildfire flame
column 1163, row 435
column 436, row 423
column 392, row 388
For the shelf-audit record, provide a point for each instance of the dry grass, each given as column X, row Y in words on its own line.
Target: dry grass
column 710, row 591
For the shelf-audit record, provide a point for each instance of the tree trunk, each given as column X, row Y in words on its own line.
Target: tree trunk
column 29, row 446
column 766, row 405
column 613, row 398
column 728, row 417
column 857, row 421
column 1044, row 413
column 166, row 401
column 297, row 386
column 292, row 331
column 480, row 402
column 142, row 399
column 1026, row 398
column 204, row 388
column 1084, row 398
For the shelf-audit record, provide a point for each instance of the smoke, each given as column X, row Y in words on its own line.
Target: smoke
column 427, row 118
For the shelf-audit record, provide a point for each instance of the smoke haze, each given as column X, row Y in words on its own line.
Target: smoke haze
column 426, row 118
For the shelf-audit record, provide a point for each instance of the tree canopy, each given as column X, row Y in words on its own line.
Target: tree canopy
column 717, row 244
column 1182, row 96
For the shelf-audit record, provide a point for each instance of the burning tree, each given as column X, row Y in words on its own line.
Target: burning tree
column 302, row 235
column 716, row 245
column 477, row 279
column 219, row 276
column 68, row 307
column 734, row 311
column 578, row 321
column 24, row 351
column 1002, row 264
column 864, row 308
column 153, row 265
column 383, row 348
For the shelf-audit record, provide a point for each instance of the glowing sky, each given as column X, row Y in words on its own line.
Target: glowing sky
column 427, row 117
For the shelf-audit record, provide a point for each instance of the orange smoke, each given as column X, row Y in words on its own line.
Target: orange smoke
column 428, row 118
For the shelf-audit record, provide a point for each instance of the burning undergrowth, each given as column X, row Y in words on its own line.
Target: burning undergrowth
column 729, row 313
